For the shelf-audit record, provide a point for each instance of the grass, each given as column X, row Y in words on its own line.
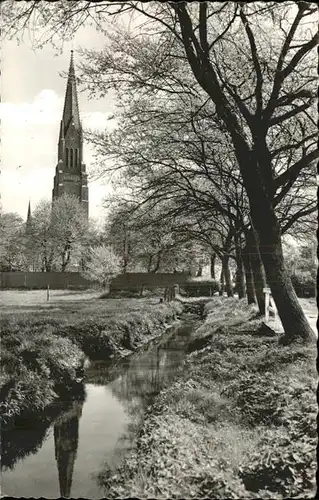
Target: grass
column 239, row 421
column 43, row 349
column 22, row 299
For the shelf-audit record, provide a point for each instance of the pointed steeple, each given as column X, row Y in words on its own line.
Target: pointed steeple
column 71, row 107
column 70, row 175
column 66, row 442
column 29, row 220
column 29, row 216
column 29, row 211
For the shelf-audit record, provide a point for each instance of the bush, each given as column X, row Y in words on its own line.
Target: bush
column 37, row 366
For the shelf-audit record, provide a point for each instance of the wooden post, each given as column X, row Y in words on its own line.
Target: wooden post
column 267, row 292
column 48, row 293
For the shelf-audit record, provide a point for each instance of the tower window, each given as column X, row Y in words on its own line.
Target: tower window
column 67, row 156
column 71, row 162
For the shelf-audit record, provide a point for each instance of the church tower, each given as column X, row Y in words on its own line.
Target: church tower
column 70, row 173
column 29, row 217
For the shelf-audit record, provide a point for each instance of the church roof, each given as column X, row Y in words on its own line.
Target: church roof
column 71, row 106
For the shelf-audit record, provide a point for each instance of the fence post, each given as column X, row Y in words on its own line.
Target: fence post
column 48, row 293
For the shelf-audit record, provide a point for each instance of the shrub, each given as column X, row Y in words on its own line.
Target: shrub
column 36, row 367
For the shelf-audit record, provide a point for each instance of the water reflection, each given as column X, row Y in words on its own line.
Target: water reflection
column 138, row 380
column 146, row 374
column 66, row 441
column 28, row 434
column 20, row 441
column 67, row 452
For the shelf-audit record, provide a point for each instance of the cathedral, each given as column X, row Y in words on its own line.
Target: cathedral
column 70, row 173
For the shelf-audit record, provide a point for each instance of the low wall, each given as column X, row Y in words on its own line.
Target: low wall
column 131, row 281
column 38, row 280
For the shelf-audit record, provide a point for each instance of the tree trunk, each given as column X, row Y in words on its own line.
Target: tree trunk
column 212, row 265
column 222, row 283
column 256, row 169
column 48, row 265
column 66, row 255
column 257, row 173
column 125, row 255
column 257, row 268
column 199, row 271
column 149, row 265
column 227, row 275
column 250, row 286
column 124, row 266
column 158, row 262
column 294, row 321
column 290, row 311
column 240, row 276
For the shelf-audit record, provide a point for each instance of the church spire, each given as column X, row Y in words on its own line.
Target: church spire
column 70, row 175
column 29, row 211
column 29, row 218
column 71, row 108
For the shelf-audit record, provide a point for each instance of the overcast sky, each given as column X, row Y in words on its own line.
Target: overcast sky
column 32, row 97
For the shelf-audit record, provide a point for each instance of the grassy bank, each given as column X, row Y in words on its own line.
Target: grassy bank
column 36, row 368
column 44, row 346
column 239, row 421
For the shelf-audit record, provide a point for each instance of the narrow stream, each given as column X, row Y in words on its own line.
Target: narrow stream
column 64, row 456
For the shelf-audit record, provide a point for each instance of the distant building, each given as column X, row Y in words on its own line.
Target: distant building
column 70, row 173
column 29, row 218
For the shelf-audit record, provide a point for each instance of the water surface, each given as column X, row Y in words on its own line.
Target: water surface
column 64, row 456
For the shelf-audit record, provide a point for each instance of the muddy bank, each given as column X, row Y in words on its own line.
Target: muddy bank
column 239, row 421
column 43, row 353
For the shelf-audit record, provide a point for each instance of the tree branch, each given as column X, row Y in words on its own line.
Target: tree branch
column 292, row 173
column 297, row 216
column 254, row 55
column 285, row 116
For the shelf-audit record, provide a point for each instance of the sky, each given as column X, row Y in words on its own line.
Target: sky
column 32, row 98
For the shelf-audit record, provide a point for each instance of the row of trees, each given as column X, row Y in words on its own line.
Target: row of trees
column 57, row 238
column 229, row 160
column 217, row 130
column 47, row 241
